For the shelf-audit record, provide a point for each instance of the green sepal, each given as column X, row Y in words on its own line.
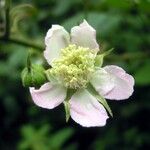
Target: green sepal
column 33, row 77
column 26, row 77
column 105, row 104
column 102, row 100
column 99, row 58
column 70, row 92
column 67, row 110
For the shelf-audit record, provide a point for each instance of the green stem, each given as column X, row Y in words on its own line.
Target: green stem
column 125, row 56
column 22, row 43
column 85, row 7
column 6, row 37
column 7, row 19
column 128, row 56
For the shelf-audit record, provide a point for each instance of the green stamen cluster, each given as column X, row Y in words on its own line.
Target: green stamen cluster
column 74, row 67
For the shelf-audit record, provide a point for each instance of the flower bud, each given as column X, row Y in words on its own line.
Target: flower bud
column 33, row 77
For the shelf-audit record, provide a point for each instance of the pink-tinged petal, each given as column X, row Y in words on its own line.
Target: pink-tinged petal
column 48, row 96
column 56, row 39
column 86, row 110
column 124, row 83
column 84, row 35
column 102, row 81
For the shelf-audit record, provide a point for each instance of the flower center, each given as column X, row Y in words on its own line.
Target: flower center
column 74, row 67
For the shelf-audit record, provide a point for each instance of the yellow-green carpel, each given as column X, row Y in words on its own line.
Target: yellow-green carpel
column 74, row 67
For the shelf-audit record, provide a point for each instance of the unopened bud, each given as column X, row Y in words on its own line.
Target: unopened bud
column 33, row 77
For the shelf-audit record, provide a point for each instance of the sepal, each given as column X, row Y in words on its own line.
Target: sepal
column 70, row 92
column 33, row 77
column 102, row 100
column 67, row 110
column 99, row 58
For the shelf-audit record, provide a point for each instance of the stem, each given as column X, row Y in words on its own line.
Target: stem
column 128, row 56
column 85, row 7
column 22, row 43
column 6, row 37
column 7, row 20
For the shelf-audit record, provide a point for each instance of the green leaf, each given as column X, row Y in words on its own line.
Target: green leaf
column 33, row 138
column 20, row 12
column 58, row 139
column 91, row 89
column 142, row 76
column 104, row 22
column 62, row 7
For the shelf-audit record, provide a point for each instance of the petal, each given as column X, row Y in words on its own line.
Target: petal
column 56, row 39
column 86, row 110
column 48, row 96
column 84, row 35
column 102, row 81
column 124, row 83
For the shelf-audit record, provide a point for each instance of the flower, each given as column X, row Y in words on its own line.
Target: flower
column 73, row 60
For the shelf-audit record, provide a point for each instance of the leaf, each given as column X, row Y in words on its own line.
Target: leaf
column 142, row 76
column 33, row 138
column 62, row 7
column 104, row 23
column 20, row 12
column 59, row 138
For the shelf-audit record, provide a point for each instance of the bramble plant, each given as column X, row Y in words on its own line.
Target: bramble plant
column 76, row 76
column 123, row 25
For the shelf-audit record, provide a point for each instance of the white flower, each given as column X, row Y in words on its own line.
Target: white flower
column 72, row 57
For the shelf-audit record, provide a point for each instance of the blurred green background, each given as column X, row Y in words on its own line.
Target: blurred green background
column 122, row 24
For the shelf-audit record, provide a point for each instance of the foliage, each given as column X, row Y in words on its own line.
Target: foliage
column 123, row 25
column 32, row 136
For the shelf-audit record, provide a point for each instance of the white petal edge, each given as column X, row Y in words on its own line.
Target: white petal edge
column 124, row 83
column 86, row 110
column 102, row 81
column 84, row 35
column 48, row 96
column 56, row 39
